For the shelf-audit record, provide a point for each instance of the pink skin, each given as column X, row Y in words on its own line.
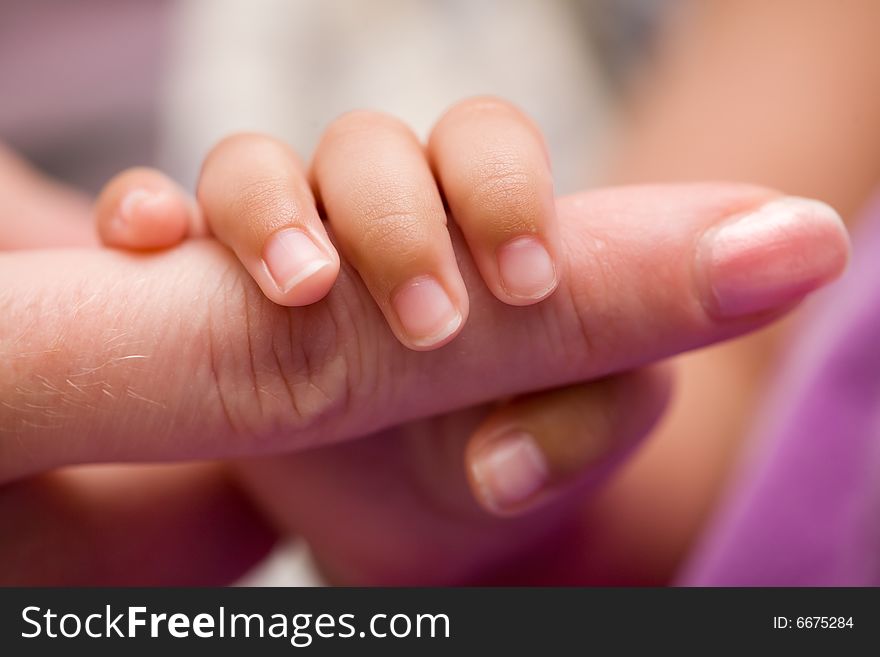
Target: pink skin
column 402, row 540
column 168, row 520
column 656, row 306
column 771, row 257
column 294, row 260
column 526, row 269
column 426, row 312
column 129, row 525
column 38, row 213
column 512, row 471
column 628, row 296
column 148, row 219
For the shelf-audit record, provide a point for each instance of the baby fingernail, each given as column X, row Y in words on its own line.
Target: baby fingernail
column 510, row 470
column 425, row 311
column 772, row 256
column 135, row 201
column 526, row 268
column 291, row 257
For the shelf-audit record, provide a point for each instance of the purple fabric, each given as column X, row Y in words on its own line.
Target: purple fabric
column 805, row 509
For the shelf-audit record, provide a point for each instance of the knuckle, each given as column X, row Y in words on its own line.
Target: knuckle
column 393, row 218
column 256, row 200
column 263, row 203
column 280, row 374
column 234, row 143
column 576, row 327
column 596, row 308
column 506, row 192
column 387, row 207
column 482, row 105
column 402, row 233
column 361, row 122
column 250, row 147
column 484, row 115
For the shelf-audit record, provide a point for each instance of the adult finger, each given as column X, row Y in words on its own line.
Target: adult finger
column 412, row 516
column 530, row 450
column 200, row 366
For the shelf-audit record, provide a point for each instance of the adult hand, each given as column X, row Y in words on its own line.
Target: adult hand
column 260, row 378
column 396, row 509
column 107, row 525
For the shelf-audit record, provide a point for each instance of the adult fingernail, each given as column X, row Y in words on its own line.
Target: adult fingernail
column 291, row 257
column 509, row 470
column 773, row 256
column 526, row 269
column 426, row 313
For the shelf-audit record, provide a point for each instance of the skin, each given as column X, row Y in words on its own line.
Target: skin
column 446, row 512
column 166, row 285
column 377, row 188
column 784, row 94
column 382, row 201
column 628, row 517
column 113, row 525
column 47, row 213
column 607, row 318
column 118, row 507
column 145, row 525
column 229, row 360
column 382, row 193
column 794, row 109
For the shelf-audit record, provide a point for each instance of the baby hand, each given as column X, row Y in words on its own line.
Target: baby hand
column 382, row 193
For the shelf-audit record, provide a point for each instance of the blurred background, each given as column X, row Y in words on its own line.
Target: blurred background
column 783, row 93
column 92, row 86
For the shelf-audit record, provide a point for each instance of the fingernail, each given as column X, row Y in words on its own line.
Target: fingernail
column 772, row 256
column 426, row 312
column 291, row 257
column 136, row 200
column 526, row 269
column 510, row 470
